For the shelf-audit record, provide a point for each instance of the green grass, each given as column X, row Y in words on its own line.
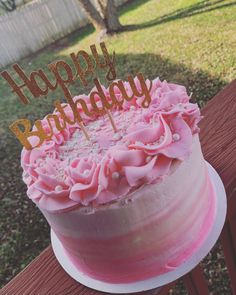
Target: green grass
column 186, row 41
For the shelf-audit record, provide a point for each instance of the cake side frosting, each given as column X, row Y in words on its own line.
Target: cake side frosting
column 152, row 231
column 68, row 171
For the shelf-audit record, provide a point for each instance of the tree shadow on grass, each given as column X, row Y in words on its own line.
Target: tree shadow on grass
column 24, row 230
column 131, row 5
column 203, row 85
column 189, row 11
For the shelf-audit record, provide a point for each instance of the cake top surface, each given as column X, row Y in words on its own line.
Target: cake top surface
column 69, row 171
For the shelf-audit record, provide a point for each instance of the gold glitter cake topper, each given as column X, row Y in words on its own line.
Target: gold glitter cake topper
column 59, row 80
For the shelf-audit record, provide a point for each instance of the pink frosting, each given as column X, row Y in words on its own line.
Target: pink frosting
column 68, row 171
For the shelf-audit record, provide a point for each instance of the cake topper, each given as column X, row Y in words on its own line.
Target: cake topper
column 112, row 121
column 64, row 75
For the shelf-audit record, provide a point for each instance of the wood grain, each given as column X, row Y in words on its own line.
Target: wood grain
column 218, row 135
column 195, row 282
column 44, row 276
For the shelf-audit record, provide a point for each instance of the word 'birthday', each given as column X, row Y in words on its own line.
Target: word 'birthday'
column 63, row 77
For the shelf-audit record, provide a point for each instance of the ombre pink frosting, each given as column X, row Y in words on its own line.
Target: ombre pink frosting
column 68, row 171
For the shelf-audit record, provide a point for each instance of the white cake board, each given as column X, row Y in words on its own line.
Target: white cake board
column 162, row 279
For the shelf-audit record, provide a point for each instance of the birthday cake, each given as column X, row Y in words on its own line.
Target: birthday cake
column 134, row 199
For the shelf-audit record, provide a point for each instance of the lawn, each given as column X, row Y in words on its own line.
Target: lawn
column 184, row 41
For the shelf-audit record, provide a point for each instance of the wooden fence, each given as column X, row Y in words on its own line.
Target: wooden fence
column 37, row 24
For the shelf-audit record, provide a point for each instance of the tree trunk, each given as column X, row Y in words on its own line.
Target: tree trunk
column 93, row 15
column 110, row 15
column 105, row 17
column 8, row 5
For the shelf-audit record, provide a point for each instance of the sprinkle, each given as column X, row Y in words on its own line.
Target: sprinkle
column 148, row 159
column 180, row 105
column 176, row 137
column 86, row 172
column 102, row 123
column 97, row 128
column 95, row 151
column 128, row 201
column 96, row 145
column 132, row 108
column 61, row 171
column 92, row 139
column 76, row 133
column 120, row 143
column 138, row 143
column 58, row 188
column 115, row 175
column 161, row 138
column 146, row 104
column 117, row 136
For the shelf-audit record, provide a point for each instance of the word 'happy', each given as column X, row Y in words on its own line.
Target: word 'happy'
column 63, row 77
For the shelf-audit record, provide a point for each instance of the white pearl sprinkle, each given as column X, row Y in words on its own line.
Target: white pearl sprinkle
column 146, row 104
column 115, row 175
column 117, row 136
column 161, row 138
column 58, row 188
column 148, row 159
column 132, row 108
column 180, row 105
column 138, row 143
column 86, row 172
column 176, row 137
